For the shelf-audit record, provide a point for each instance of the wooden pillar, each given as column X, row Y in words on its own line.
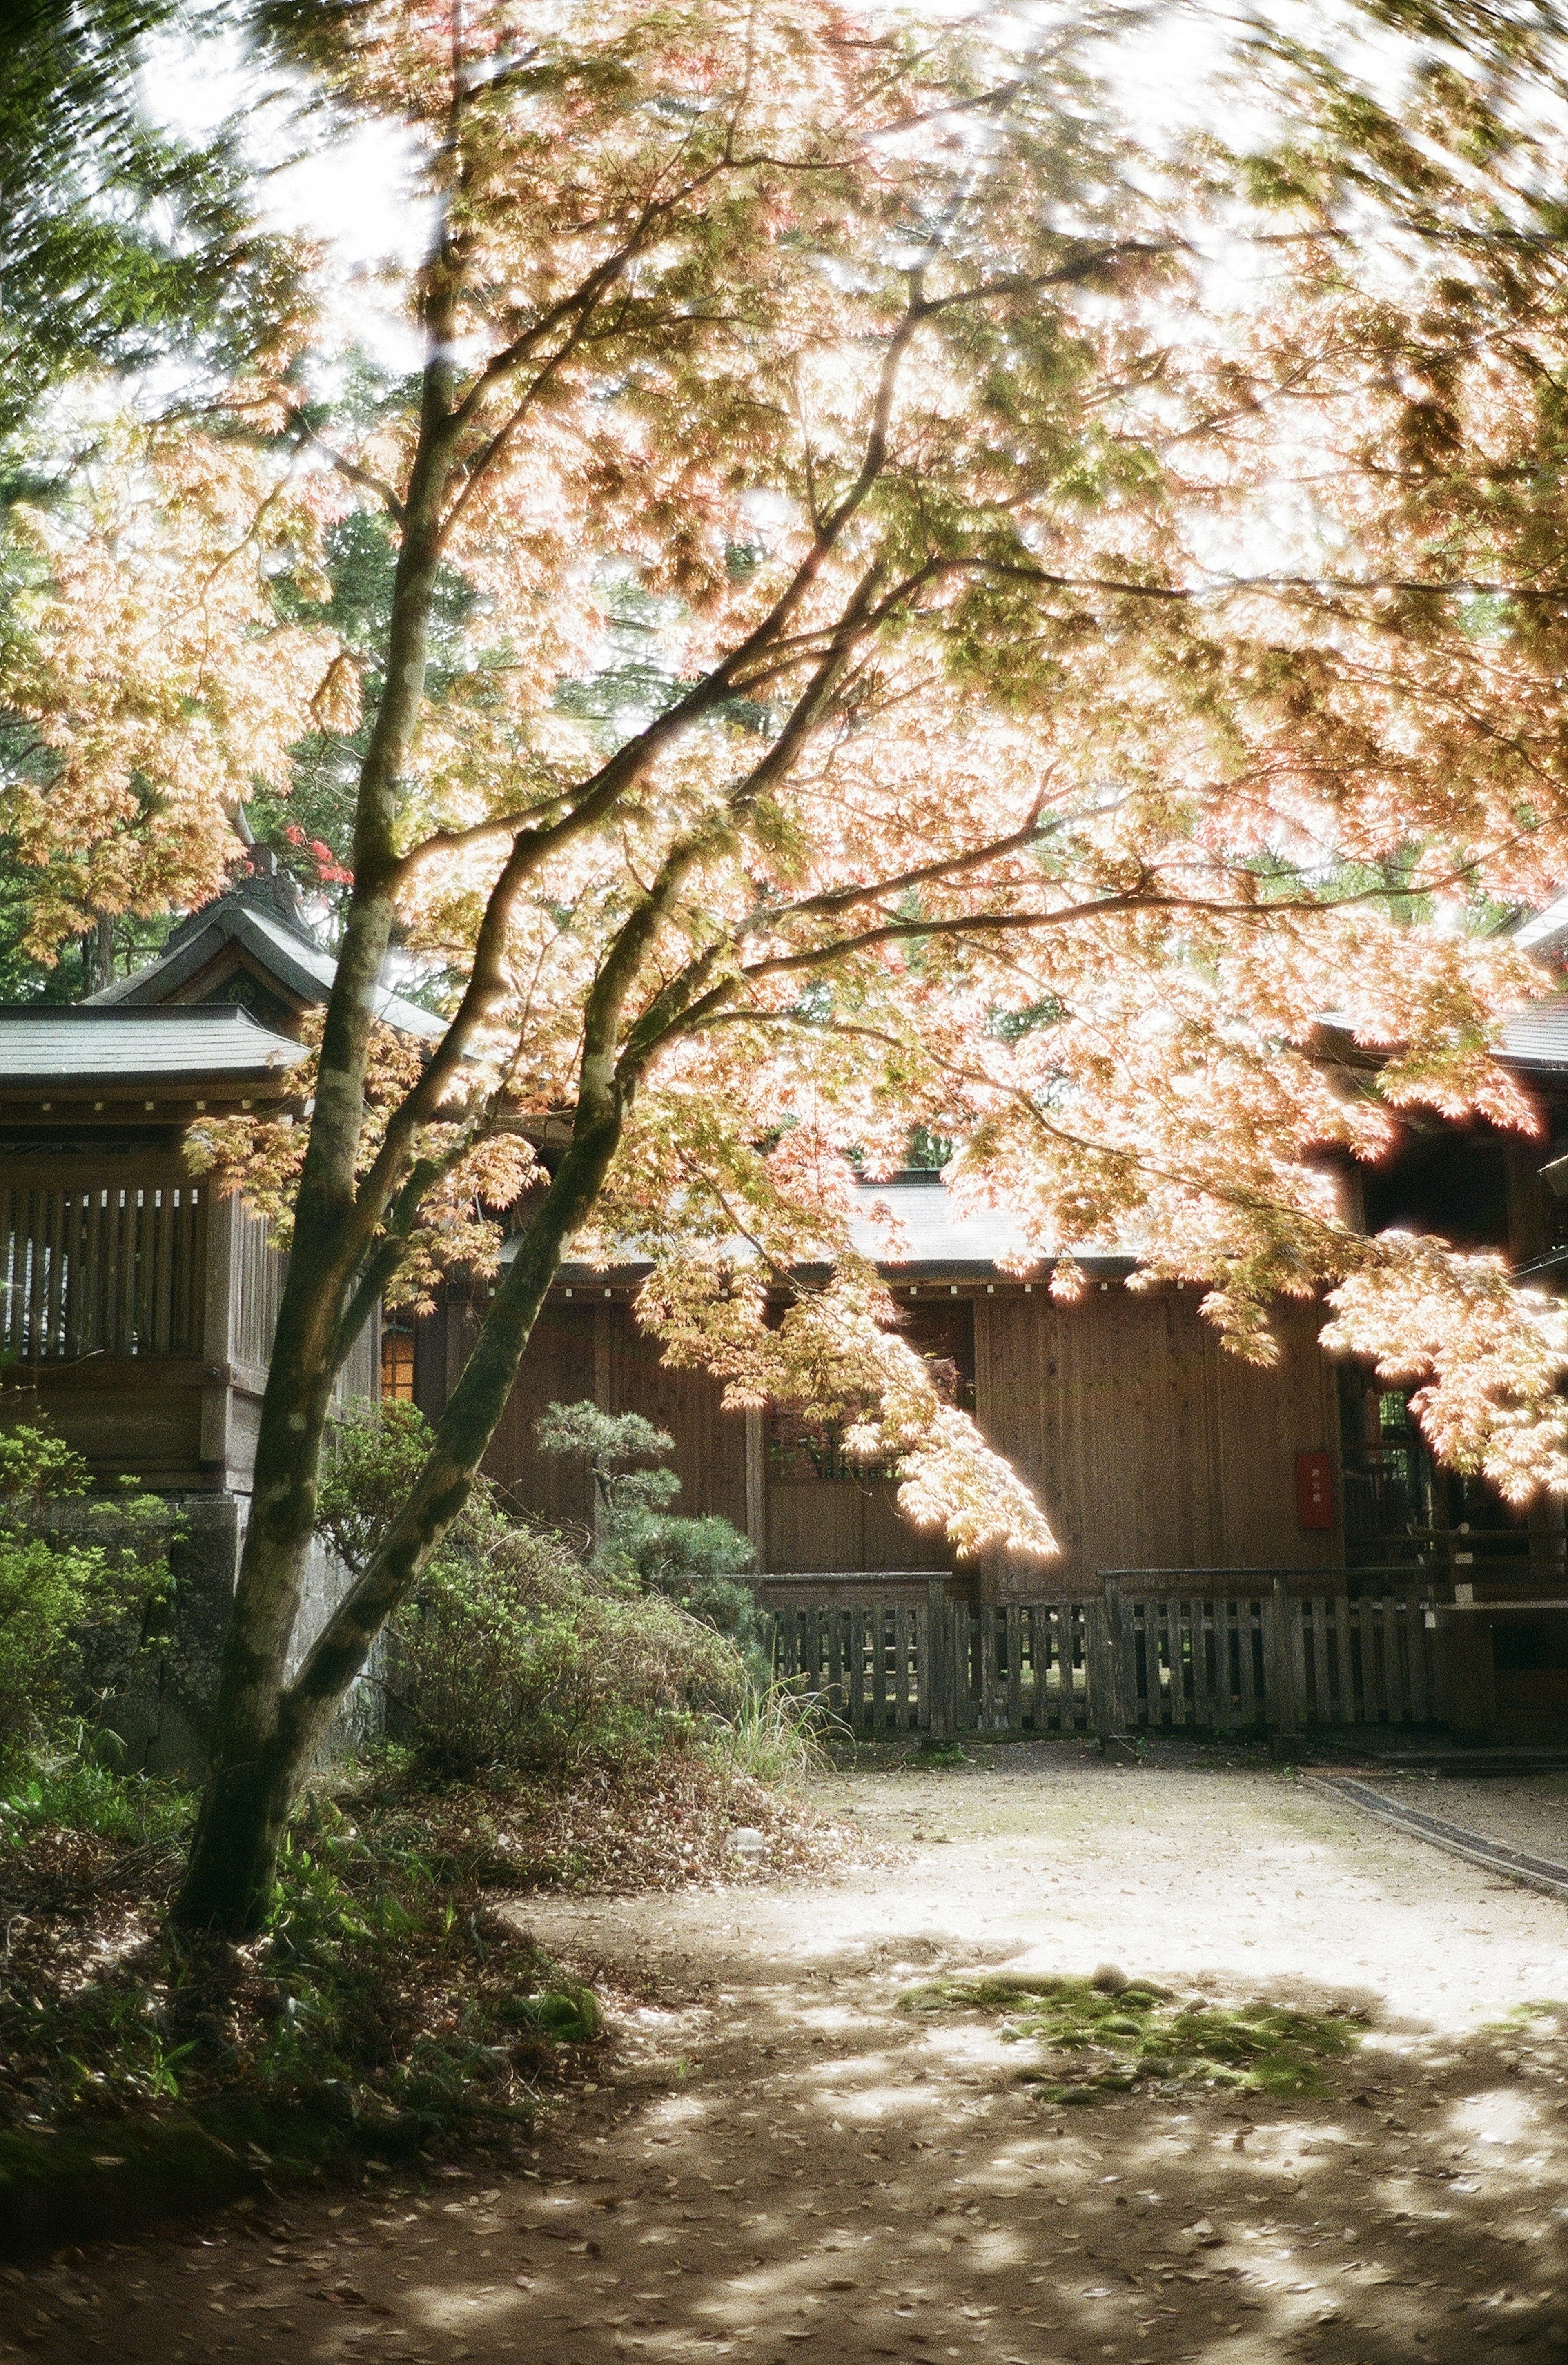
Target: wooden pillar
column 1110, row 1708
column 1531, row 1226
column 941, row 1660
column 220, row 1231
column 994, row 1568
column 757, row 1482
column 1281, row 1674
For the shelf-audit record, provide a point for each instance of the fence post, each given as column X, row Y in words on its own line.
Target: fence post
column 938, row 1661
column 1107, row 1710
column 1282, row 1709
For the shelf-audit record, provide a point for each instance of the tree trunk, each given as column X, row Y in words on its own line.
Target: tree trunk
column 257, row 1758
column 98, row 954
column 266, row 1734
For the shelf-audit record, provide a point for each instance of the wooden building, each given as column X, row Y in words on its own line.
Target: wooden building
column 1150, row 1445
column 1152, row 1448
column 137, row 1303
column 138, row 1307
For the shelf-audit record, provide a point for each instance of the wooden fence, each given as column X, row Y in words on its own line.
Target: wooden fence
column 1265, row 1660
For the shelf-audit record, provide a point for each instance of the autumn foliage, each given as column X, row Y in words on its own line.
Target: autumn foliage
column 948, row 616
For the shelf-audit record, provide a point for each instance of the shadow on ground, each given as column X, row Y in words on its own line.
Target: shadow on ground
column 837, row 2181
column 781, row 2161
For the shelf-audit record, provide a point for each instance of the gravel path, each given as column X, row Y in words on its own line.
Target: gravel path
column 781, row 2163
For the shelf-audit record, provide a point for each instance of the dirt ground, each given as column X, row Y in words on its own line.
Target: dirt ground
column 778, row 2162
column 1528, row 1813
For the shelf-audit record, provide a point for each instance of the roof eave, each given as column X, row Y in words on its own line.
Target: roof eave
column 1107, row 1261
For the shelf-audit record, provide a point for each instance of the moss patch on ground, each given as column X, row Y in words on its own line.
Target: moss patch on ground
column 1097, row 2037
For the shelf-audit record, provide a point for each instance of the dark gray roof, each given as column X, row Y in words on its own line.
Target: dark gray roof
column 1537, row 1042
column 938, row 1242
column 291, row 957
column 82, row 1044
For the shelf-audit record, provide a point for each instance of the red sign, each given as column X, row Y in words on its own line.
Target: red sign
column 1314, row 1492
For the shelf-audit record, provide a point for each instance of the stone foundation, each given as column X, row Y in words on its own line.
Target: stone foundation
column 159, row 1699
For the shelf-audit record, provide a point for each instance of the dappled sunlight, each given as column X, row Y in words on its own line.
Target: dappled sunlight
column 783, row 2159
column 1501, row 2115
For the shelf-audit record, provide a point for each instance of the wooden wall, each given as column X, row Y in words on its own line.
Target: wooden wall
column 582, row 1350
column 844, row 1523
column 169, row 1390
column 1150, row 1445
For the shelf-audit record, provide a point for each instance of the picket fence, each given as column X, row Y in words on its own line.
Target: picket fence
column 1265, row 1660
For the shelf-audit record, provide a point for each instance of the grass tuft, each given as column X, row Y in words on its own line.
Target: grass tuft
column 1093, row 2043
column 774, row 1735
column 78, row 1792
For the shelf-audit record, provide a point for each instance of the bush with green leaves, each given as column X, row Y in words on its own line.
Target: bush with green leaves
column 377, row 1452
column 699, row 1562
column 514, row 1652
column 77, row 1576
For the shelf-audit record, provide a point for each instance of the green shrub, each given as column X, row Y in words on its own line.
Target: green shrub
column 514, row 1652
column 74, row 1578
column 36, row 1466
column 376, row 1455
column 74, row 1790
column 696, row 1562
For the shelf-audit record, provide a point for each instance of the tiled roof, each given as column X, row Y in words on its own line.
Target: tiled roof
column 938, row 1242
column 84, row 1044
column 935, row 1235
column 1544, row 932
column 1537, row 1042
column 291, row 957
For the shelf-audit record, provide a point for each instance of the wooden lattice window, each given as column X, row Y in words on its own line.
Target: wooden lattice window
column 101, row 1267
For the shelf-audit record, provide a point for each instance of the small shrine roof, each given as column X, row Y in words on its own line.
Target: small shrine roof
column 84, row 1043
column 282, row 949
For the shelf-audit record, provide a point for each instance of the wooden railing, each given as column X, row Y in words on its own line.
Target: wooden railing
column 1269, row 1661
column 1262, row 1660
column 101, row 1267
column 936, row 1665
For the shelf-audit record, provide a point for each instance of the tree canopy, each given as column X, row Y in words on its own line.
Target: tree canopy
column 872, row 597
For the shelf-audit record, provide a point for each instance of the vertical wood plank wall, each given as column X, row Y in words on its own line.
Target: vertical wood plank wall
column 582, row 1350
column 829, row 1523
column 1150, row 1445
column 558, row 1365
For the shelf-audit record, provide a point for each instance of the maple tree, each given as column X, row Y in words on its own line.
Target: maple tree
column 819, row 693
column 128, row 247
